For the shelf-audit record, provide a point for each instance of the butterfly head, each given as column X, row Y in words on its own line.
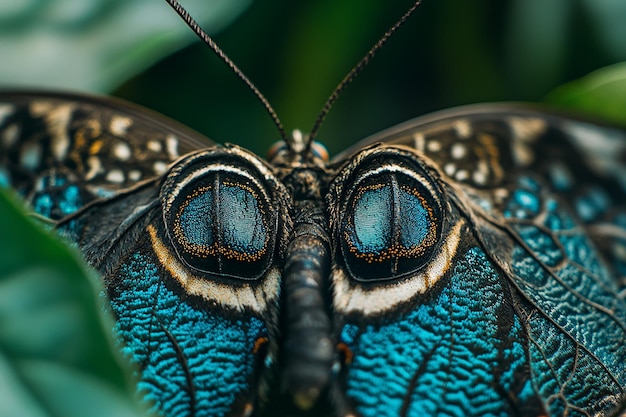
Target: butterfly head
column 298, row 150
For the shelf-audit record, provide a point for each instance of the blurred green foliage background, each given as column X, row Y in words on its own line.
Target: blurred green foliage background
column 450, row 52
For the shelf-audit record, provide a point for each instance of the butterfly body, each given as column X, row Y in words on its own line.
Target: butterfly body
column 466, row 263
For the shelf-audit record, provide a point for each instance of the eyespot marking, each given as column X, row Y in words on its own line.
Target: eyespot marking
column 244, row 295
column 221, row 213
column 392, row 221
column 242, row 237
column 372, row 239
column 351, row 297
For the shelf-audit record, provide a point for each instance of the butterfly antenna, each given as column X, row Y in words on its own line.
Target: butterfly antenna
column 193, row 25
column 357, row 69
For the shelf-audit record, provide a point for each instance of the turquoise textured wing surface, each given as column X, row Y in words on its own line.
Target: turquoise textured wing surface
column 520, row 308
column 96, row 166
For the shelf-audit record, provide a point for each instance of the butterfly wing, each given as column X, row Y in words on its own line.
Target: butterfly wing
column 104, row 170
column 521, row 307
column 101, row 144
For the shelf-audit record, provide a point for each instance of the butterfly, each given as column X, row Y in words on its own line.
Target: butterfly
column 468, row 262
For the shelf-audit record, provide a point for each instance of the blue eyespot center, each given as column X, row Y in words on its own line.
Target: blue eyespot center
column 242, row 221
column 222, row 224
column 236, row 215
column 196, row 219
column 391, row 226
column 375, row 219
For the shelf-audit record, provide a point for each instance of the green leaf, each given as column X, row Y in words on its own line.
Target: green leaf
column 56, row 355
column 601, row 93
column 97, row 44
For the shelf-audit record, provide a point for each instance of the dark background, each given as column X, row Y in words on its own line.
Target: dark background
column 450, row 52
